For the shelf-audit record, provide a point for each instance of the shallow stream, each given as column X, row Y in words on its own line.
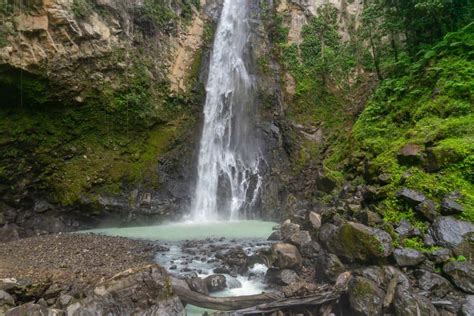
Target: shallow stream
column 192, row 248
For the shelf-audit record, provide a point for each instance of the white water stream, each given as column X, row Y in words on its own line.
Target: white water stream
column 228, row 181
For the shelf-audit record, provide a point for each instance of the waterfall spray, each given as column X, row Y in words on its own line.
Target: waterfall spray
column 228, row 181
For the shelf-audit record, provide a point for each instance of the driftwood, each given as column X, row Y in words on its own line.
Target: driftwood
column 250, row 304
column 223, row 303
column 293, row 302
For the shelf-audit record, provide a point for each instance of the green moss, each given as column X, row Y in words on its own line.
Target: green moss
column 357, row 242
column 417, row 244
column 430, row 104
column 363, row 288
column 70, row 153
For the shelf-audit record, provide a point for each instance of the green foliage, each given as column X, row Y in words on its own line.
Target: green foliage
column 18, row 85
column 82, row 8
column 418, row 244
column 322, row 59
column 459, row 258
column 422, row 22
column 70, row 152
column 163, row 14
column 431, row 104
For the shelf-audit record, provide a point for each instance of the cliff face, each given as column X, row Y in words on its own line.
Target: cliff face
column 98, row 112
column 105, row 127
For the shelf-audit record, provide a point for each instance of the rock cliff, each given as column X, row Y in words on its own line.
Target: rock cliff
column 99, row 103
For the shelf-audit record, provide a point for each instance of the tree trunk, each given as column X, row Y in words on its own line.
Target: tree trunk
column 375, row 57
column 224, row 303
column 250, row 304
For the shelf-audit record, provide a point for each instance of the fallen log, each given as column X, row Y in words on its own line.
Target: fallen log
column 224, row 303
column 293, row 302
column 249, row 304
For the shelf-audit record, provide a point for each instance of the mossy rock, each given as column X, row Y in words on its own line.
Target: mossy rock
column 357, row 242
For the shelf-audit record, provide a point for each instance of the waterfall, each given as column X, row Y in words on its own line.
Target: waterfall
column 228, row 180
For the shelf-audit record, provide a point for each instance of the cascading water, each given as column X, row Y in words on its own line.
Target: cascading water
column 228, row 180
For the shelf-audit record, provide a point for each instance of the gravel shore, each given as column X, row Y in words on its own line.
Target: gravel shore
column 72, row 260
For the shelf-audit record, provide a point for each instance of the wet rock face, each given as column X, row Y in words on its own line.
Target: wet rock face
column 461, row 274
column 281, row 277
column 357, row 242
column 365, row 297
column 449, row 232
column 408, row 257
column 215, row 283
column 434, row 283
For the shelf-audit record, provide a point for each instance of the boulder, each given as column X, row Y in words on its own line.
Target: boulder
column 466, row 247
column 143, row 291
column 405, row 229
column 42, row 206
column 408, row 303
column 310, row 250
column 374, row 273
column 450, row 207
column 461, row 274
column 196, row 284
column 467, row 308
column 427, row 210
column 410, row 154
column 326, row 233
column 33, row 310
column 411, row 304
column 281, row 277
column 369, row 218
column 324, row 183
column 357, row 242
column 406, row 257
column 275, row 236
column 215, row 283
column 440, row 255
column 449, row 232
column 235, row 257
column 287, row 255
column 7, row 284
column 6, row 299
column 413, row 198
column 289, row 229
column 329, row 267
column 315, row 220
column 9, row 232
column 433, row 283
column 64, row 300
column 365, row 297
column 299, row 239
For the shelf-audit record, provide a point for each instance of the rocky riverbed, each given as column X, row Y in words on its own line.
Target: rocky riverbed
column 45, row 267
column 319, row 263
